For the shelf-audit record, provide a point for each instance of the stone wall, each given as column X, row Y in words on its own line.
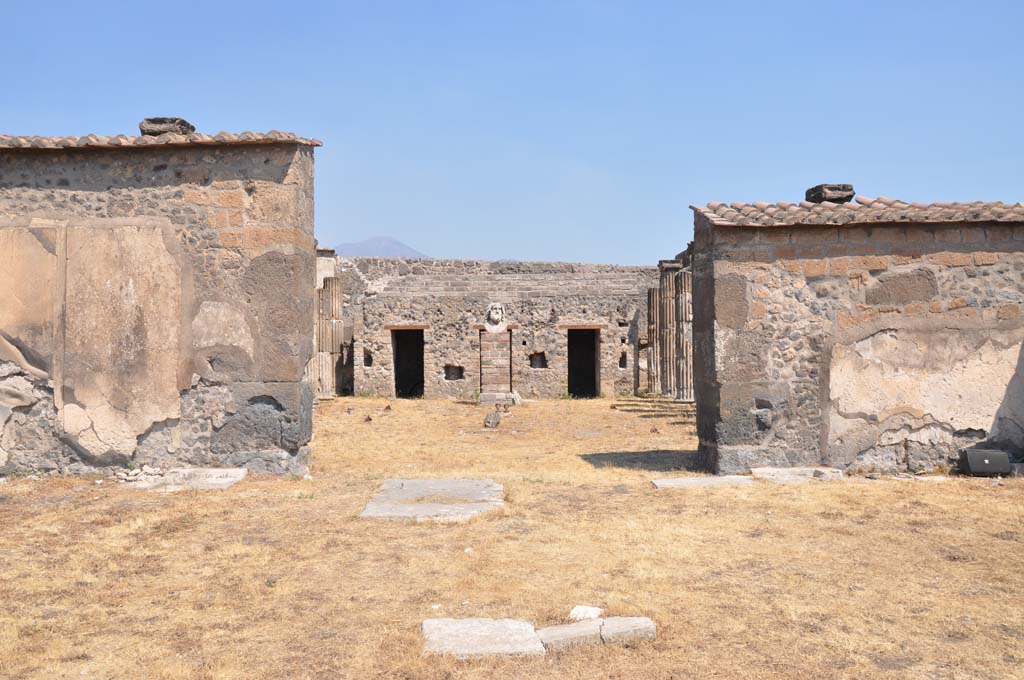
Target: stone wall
column 881, row 347
column 449, row 299
column 156, row 303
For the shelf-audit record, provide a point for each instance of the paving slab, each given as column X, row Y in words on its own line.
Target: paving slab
column 795, row 475
column 448, row 500
column 181, row 479
column 475, row 637
column 581, row 633
column 693, row 482
column 623, row 629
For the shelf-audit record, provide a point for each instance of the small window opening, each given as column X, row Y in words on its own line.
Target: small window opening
column 623, row 360
column 538, row 360
column 367, row 358
column 623, row 324
column 454, row 372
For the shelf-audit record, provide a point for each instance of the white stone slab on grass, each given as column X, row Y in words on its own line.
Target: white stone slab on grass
column 796, row 475
column 181, row 479
column 475, row 637
column 440, row 500
column 625, row 629
column 694, row 482
column 586, row 632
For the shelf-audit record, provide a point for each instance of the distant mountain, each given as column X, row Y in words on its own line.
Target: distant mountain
column 377, row 246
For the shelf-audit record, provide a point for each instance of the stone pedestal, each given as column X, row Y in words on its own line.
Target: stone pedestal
column 496, row 367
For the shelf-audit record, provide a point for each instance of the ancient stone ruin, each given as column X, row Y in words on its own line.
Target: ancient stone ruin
column 157, row 300
column 162, row 304
column 480, row 330
column 875, row 335
column 670, row 331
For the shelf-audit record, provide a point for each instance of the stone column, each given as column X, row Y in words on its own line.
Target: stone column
column 653, row 363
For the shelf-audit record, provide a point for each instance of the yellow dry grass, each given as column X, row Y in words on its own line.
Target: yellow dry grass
column 278, row 578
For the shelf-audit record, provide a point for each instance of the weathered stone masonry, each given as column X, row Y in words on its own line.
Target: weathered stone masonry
column 877, row 335
column 670, row 329
column 156, row 301
column 449, row 299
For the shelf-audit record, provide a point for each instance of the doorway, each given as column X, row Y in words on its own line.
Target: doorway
column 407, row 346
column 584, row 362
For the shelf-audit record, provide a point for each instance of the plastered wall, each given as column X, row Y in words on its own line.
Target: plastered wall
column 155, row 307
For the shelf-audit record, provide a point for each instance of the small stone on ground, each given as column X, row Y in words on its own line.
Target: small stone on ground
column 582, row 612
column 692, row 482
column 571, row 634
column 621, row 629
column 474, row 637
column 452, row 500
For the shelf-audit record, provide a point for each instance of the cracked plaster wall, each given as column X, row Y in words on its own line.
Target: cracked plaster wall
column 155, row 307
column 876, row 349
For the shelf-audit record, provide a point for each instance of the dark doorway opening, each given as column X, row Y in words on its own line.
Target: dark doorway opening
column 408, row 358
column 345, row 373
column 584, row 362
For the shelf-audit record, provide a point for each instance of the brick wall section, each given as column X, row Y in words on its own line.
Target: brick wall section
column 495, row 365
column 450, row 298
column 210, row 255
column 880, row 347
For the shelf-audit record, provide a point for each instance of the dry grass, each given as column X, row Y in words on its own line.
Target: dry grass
column 279, row 579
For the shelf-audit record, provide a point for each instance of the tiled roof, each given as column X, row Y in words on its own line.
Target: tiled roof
column 169, row 139
column 862, row 210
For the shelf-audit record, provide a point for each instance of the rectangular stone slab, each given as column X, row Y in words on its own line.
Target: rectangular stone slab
column 475, row 637
column 587, row 632
column 398, row 499
column 179, row 479
column 459, row 489
column 441, row 512
column 620, row 629
column 795, row 475
column 692, row 482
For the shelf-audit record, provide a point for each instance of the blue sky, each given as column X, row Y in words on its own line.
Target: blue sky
column 550, row 130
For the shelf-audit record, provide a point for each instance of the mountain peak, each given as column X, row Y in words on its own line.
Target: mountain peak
column 377, row 246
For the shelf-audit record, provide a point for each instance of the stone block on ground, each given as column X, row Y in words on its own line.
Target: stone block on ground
column 795, row 475
column 475, row 637
column 582, row 612
column 586, row 632
column 625, row 629
column 447, row 500
column 692, row 482
column 180, row 479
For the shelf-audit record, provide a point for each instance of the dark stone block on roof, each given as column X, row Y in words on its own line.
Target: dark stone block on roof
column 833, row 193
column 153, row 127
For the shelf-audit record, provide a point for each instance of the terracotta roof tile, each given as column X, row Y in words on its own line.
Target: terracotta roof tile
column 167, row 139
column 864, row 211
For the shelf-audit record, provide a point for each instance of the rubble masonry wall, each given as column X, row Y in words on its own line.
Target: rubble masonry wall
column 156, row 306
column 878, row 348
column 450, row 298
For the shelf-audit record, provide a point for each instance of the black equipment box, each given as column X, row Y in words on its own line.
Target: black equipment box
column 984, row 462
